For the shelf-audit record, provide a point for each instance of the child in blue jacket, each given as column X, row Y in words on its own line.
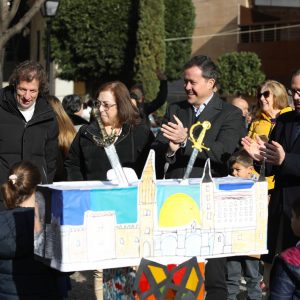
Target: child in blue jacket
column 285, row 274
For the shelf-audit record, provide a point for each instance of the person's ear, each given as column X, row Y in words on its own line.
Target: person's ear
column 211, row 82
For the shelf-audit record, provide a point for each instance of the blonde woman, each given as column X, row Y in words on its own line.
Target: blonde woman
column 272, row 102
column 66, row 135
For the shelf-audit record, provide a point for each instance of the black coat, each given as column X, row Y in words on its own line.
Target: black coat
column 87, row 161
column 22, row 277
column 287, row 186
column 287, row 176
column 77, row 120
column 35, row 141
column 222, row 138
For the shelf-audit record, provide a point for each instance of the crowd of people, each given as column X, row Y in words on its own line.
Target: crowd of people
column 43, row 140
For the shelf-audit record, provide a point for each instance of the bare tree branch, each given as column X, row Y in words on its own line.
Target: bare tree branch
column 7, row 14
column 11, row 13
column 9, row 33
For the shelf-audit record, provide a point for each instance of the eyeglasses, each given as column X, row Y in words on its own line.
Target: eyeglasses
column 266, row 94
column 293, row 92
column 106, row 106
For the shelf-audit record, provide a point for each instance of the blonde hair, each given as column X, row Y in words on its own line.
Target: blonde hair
column 66, row 128
column 22, row 182
column 279, row 93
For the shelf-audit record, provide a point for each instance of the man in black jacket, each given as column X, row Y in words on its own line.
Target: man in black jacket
column 200, row 75
column 28, row 128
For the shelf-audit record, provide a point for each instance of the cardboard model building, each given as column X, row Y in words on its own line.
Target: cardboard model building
column 95, row 225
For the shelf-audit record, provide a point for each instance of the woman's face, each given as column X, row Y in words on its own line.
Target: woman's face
column 108, row 108
column 266, row 99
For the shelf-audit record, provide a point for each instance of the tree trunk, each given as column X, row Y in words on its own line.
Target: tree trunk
column 2, row 52
column 6, row 16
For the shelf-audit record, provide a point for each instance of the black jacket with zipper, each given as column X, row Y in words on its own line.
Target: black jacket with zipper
column 35, row 140
column 21, row 276
column 87, row 161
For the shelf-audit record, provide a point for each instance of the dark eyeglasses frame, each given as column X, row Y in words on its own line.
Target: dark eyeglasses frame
column 292, row 92
column 266, row 94
column 105, row 105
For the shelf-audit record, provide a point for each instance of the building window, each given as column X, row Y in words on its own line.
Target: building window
column 269, row 33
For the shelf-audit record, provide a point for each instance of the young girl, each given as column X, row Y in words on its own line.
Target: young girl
column 22, row 277
column 19, row 190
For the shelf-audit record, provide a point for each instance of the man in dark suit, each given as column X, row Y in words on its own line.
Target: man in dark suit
column 173, row 146
column 282, row 157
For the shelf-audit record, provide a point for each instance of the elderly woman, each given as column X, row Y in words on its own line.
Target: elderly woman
column 87, row 160
column 132, row 139
column 272, row 102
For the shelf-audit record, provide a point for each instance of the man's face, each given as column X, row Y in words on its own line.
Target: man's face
column 197, row 88
column 242, row 105
column 139, row 94
column 27, row 93
column 295, row 85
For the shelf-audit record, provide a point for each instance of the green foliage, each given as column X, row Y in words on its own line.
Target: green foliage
column 179, row 22
column 240, row 73
column 96, row 41
column 90, row 39
column 150, row 49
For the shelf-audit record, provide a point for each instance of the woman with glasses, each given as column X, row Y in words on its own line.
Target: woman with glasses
column 87, row 159
column 119, row 119
column 272, row 102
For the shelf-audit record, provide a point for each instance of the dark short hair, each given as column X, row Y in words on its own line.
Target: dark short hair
column 295, row 72
column 134, row 96
column 127, row 112
column 72, row 104
column 138, row 96
column 296, row 207
column 205, row 63
column 241, row 157
column 27, row 71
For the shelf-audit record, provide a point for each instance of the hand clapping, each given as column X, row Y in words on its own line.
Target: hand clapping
column 272, row 152
column 175, row 133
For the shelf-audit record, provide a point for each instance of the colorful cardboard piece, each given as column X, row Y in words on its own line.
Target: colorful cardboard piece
column 97, row 225
column 157, row 281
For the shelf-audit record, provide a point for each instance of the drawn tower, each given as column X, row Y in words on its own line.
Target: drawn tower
column 146, row 206
column 207, row 203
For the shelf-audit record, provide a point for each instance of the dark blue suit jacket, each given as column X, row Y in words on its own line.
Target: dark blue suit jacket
column 222, row 138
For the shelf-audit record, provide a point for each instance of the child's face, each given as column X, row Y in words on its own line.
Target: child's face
column 295, row 223
column 238, row 170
